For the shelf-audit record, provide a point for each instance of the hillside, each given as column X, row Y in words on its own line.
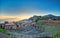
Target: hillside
column 45, row 17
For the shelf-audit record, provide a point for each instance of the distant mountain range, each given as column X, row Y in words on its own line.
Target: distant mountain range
column 46, row 17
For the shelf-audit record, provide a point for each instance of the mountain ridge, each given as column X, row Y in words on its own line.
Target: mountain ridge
column 45, row 17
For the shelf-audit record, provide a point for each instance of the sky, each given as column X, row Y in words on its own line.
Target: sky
column 27, row 8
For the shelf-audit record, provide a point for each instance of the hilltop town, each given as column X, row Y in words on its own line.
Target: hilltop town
column 42, row 26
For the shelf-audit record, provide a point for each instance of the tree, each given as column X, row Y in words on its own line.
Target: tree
column 6, row 22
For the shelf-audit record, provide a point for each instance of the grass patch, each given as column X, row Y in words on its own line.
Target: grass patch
column 49, row 28
column 53, row 29
column 4, row 31
column 57, row 34
column 39, row 23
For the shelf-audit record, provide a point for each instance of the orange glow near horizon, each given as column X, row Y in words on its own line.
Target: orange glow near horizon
column 5, row 17
column 13, row 18
column 16, row 18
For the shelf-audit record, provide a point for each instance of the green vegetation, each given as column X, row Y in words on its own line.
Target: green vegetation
column 53, row 29
column 56, row 35
column 39, row 23
column 49, row 28
column 3, row 31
